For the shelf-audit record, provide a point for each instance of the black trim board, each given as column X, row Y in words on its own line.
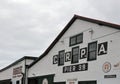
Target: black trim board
column 5, row 81
column 116, row 26
column 19, row 60
column 59, row 82
column 41, row 76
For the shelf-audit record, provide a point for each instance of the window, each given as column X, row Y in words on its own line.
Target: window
column 76, row 39
column 10, row 83
column 61, row 58
column 87, row 82
column 17, row 82
column 75, row 55
column 92, row 51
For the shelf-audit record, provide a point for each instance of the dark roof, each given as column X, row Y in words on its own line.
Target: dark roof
column 19, row 60
column 6, row 81
column 99, row 22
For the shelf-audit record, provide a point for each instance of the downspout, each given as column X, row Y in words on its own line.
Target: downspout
column 26, row 77
column 26, row 73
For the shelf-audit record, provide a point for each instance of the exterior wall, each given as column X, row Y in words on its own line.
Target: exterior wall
column 29, row 61
column 8, row 73
column 100, row 34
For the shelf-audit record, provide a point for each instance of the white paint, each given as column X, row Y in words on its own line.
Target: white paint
column 95, row 72
column 8, row 73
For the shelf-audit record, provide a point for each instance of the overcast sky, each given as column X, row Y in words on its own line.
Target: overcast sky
column 27, row 27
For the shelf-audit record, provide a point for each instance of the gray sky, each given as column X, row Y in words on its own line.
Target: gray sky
column 27, row 27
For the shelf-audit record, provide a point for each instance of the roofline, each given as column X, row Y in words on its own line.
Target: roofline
column 99, row 22
column 19, row 60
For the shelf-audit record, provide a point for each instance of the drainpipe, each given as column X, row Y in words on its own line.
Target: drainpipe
column 26, row 75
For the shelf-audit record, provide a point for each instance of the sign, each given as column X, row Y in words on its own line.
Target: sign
column 117, row 66
column 75, row 68
column 83, row 53
column 55, row 59
column 17, row 72
column 106, row 67
column 67, row 56
column 102, row 48
column 110, row 76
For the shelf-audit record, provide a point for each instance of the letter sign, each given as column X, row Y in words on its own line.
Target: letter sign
column 83, row 53
column 55, row 59
column 102, row 48
column 67, row 56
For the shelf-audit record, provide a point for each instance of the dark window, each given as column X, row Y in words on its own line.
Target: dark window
column 72, row 41
column 92, row 51
column 61, row 58
column 17, row 82
column 76, row 39
column 75, row 54
column 79, row 38
column 10, row 82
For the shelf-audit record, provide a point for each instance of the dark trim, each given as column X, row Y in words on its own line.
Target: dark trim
column 88, row 51
column 5, row 81
column 59, row 82
column 116, row 26
column 59, row 58
column 41, row 76
column 88, row 81
column 19, row 60
column 72, row 55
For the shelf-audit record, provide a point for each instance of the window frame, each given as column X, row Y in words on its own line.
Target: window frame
column 88, row 58
column 75, row 36
column 59, row 58
column 72, row 61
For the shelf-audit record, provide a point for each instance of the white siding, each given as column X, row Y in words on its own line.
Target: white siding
column 95, row 72
column 8, row 73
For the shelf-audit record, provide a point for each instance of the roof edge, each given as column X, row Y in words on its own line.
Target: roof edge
column 19, row 60
column 99, row 22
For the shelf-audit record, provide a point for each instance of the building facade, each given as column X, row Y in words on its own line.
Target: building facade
column 85, row 52
column 16, row 72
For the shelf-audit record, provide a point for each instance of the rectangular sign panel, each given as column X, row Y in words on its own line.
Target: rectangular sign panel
column 75, row 68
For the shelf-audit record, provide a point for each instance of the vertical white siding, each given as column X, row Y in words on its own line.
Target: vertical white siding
column 100, row 34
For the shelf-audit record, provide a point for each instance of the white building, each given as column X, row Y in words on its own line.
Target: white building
column 85, row 52
column 15, row 73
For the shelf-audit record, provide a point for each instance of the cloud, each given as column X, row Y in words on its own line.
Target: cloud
column 27, row 27
column 107, row 9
